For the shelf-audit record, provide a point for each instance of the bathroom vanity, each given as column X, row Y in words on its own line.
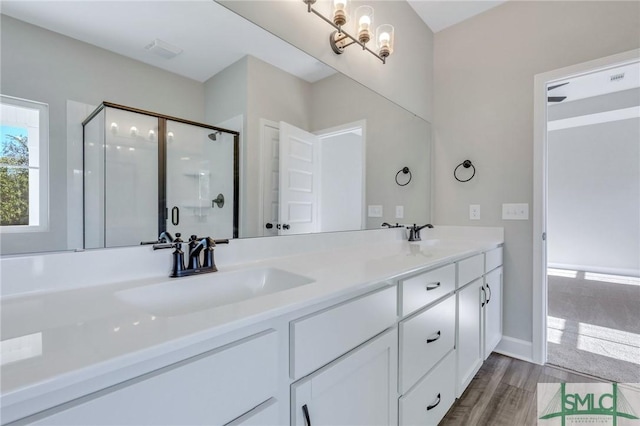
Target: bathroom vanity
column 366, row 328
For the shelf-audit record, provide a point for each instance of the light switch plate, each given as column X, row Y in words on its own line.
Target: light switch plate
column 375, row 211
column 515, row 211
column 399, row 212
column 474, row 211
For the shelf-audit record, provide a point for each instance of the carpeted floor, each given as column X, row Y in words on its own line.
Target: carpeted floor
column 593, row 324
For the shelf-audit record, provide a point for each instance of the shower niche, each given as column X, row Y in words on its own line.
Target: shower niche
column 145, row 173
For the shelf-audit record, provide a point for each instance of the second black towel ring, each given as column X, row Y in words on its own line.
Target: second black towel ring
column 404, row 170
column 466, row 164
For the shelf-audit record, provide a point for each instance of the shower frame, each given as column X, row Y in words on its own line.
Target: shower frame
column 163, row 212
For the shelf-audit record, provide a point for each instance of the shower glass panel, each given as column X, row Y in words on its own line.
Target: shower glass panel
column 121, row 183
column 200, row 174
column 146, row 173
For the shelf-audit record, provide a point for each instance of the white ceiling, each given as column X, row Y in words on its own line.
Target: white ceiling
column 441, row 14
column 598, row 83
column 212, row 37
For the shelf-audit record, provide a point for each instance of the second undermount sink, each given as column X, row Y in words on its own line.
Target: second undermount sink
column 179, row 296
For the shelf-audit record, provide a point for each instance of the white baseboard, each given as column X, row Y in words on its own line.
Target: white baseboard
column 515, row 348
column 625, row 272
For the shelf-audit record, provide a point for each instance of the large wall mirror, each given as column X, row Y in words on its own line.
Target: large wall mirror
column 318, row 151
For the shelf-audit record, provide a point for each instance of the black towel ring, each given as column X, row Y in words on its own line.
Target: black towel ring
column 404, row 170
column 466, row 164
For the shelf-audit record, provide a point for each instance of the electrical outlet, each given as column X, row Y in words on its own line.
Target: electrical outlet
column 474, row 211
column 399, row 212
column 518, row 211
column 375, row 211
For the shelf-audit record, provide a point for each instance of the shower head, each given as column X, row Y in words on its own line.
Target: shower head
column 214, row 136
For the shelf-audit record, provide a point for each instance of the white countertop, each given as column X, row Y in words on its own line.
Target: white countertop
column 90, row 332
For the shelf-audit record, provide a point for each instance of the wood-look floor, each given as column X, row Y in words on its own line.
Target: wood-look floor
column 504, row 393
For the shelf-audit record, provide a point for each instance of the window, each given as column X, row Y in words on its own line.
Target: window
column 24, row 131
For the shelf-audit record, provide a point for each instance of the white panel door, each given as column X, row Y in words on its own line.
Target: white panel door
column 270, row 178
column 299, row 180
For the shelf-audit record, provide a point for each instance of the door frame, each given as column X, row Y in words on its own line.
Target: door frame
column 541, row 81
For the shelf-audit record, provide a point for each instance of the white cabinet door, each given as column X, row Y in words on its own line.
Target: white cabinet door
column 356, row 389
column 492, row 311
column 469, row 348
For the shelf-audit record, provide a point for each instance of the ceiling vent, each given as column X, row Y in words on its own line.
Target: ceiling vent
column 617, row 77
column 164, row 49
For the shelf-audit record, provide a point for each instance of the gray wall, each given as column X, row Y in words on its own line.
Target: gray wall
column 484, row 75
column 593, row 194
column 44, row 66
column 254, row 89
column 406, row 78
column 395, row 139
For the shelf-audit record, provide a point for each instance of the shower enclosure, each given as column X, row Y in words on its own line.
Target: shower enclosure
column 146, row 173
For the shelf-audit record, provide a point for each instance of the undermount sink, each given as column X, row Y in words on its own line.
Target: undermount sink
column 180, row 296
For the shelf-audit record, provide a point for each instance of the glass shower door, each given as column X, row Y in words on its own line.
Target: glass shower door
column 199, row 181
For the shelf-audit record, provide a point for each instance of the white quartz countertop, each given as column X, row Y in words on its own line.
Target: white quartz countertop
column 90, row 332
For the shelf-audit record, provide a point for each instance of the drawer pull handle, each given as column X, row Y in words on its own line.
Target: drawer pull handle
column 435, row 404
column 433, row 286
column 489, row 288
column 484, row 298
column 433, row 339
column 305, row 411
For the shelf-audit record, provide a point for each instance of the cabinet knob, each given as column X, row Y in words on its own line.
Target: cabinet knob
column 269, row 225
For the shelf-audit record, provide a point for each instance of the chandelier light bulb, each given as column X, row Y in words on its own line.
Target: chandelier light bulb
column 384, row 38
column 340, row 12
column 364, row 18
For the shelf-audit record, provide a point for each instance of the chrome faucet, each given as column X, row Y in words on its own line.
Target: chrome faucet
column 414, row 231
column 197, row 262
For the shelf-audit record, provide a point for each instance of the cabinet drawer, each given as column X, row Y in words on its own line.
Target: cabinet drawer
column 419, row 291
column 470, row 269
column 213, row 388
column 430, row 400
column 320, row 338
column 424, row 340
column 265, row 414
column 493, row 259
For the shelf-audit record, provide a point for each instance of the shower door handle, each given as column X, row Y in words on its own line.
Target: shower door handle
column 175, row 215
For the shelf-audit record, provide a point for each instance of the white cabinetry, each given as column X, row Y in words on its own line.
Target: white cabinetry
column 479, row 312
column 492, row 311
column 215, row 387
column 469, row 347
column 356, row 389
column 427, row 341
column 424, row 340
column 429, row 401
column 319, row 338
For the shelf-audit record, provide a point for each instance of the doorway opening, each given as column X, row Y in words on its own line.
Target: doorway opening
column 586, row 210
